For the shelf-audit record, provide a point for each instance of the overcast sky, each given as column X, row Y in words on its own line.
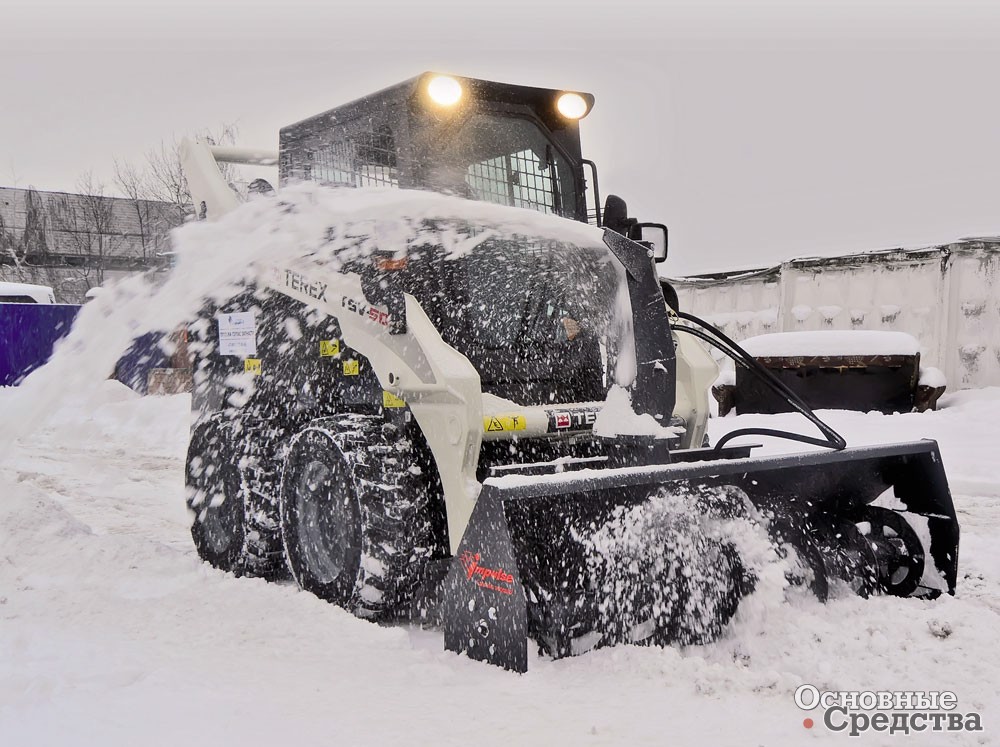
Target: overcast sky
column 756, row 130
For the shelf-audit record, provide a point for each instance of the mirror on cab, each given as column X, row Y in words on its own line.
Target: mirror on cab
column 653, row 235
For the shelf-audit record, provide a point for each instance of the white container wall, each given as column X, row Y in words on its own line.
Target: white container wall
column 945, row 296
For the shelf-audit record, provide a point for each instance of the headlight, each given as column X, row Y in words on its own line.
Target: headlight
column 444, row 90
column 571, row 105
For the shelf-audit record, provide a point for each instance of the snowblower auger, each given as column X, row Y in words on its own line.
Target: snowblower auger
column 529, row 568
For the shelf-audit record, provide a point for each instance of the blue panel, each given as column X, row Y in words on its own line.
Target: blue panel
column 28, row 333
column 144, row 355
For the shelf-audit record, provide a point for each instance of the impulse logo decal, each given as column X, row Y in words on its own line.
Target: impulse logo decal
column 488, row 578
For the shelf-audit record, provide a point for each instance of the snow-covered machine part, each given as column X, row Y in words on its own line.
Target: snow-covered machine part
column 244, row 156
column 516, row 581
column 439, row 385
column 483, row 421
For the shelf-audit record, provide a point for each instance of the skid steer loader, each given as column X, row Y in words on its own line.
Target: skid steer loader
column 499, row 431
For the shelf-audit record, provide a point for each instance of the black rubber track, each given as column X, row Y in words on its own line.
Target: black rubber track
column 384, row 491
column 229, row 466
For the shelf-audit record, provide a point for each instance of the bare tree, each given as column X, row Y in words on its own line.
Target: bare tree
column 25, row 255
column 34, row 238
column 153, row 219
column 70, row 241
column 161, row 178
column 87, row 236
column 8, row 242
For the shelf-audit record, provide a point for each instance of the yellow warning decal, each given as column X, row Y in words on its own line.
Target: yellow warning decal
column 252, row 366
column 329, row 348
column 352, row 367
column 391, row 400
column 504, row 423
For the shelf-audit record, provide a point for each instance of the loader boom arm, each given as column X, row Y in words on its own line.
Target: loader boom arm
column 439, row 384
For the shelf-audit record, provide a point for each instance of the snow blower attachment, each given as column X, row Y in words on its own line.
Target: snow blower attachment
column 640, row 556
column 502, row 429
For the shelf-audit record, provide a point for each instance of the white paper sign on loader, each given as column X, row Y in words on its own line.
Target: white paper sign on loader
column 237, row 334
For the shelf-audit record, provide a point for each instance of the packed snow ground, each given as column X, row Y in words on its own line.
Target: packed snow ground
column 112, row 632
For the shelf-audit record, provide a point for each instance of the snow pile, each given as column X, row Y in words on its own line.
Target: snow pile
column 801, row 312
column 830, row 313
column 726, row 377
column 932, row 377
column 617, row 418
column 831, row 342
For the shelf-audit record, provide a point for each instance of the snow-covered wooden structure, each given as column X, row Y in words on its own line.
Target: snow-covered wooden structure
column 946, row 296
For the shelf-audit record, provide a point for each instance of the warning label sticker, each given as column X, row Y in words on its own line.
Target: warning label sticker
column 352, row 367
column 495, row 423
column 329, row 348
column 252, row 366
column 391, row 400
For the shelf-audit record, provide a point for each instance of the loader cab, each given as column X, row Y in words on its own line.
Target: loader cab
column 494, row 142
column 534, row 318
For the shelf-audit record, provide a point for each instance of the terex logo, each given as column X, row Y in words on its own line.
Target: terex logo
column 483, row 576
column 581, row 419
column 364, row 310
column 301, row 284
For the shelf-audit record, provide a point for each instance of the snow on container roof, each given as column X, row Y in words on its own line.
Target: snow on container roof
column 11, row 287
column 40, row 293
column 831, row 343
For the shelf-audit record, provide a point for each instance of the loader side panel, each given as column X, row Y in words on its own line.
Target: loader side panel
column 484, row 608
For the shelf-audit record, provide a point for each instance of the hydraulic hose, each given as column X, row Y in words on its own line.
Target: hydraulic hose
column 717, row 339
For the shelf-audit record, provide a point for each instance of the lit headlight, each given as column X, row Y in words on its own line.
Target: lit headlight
column 444, row 90
column 571, row 105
